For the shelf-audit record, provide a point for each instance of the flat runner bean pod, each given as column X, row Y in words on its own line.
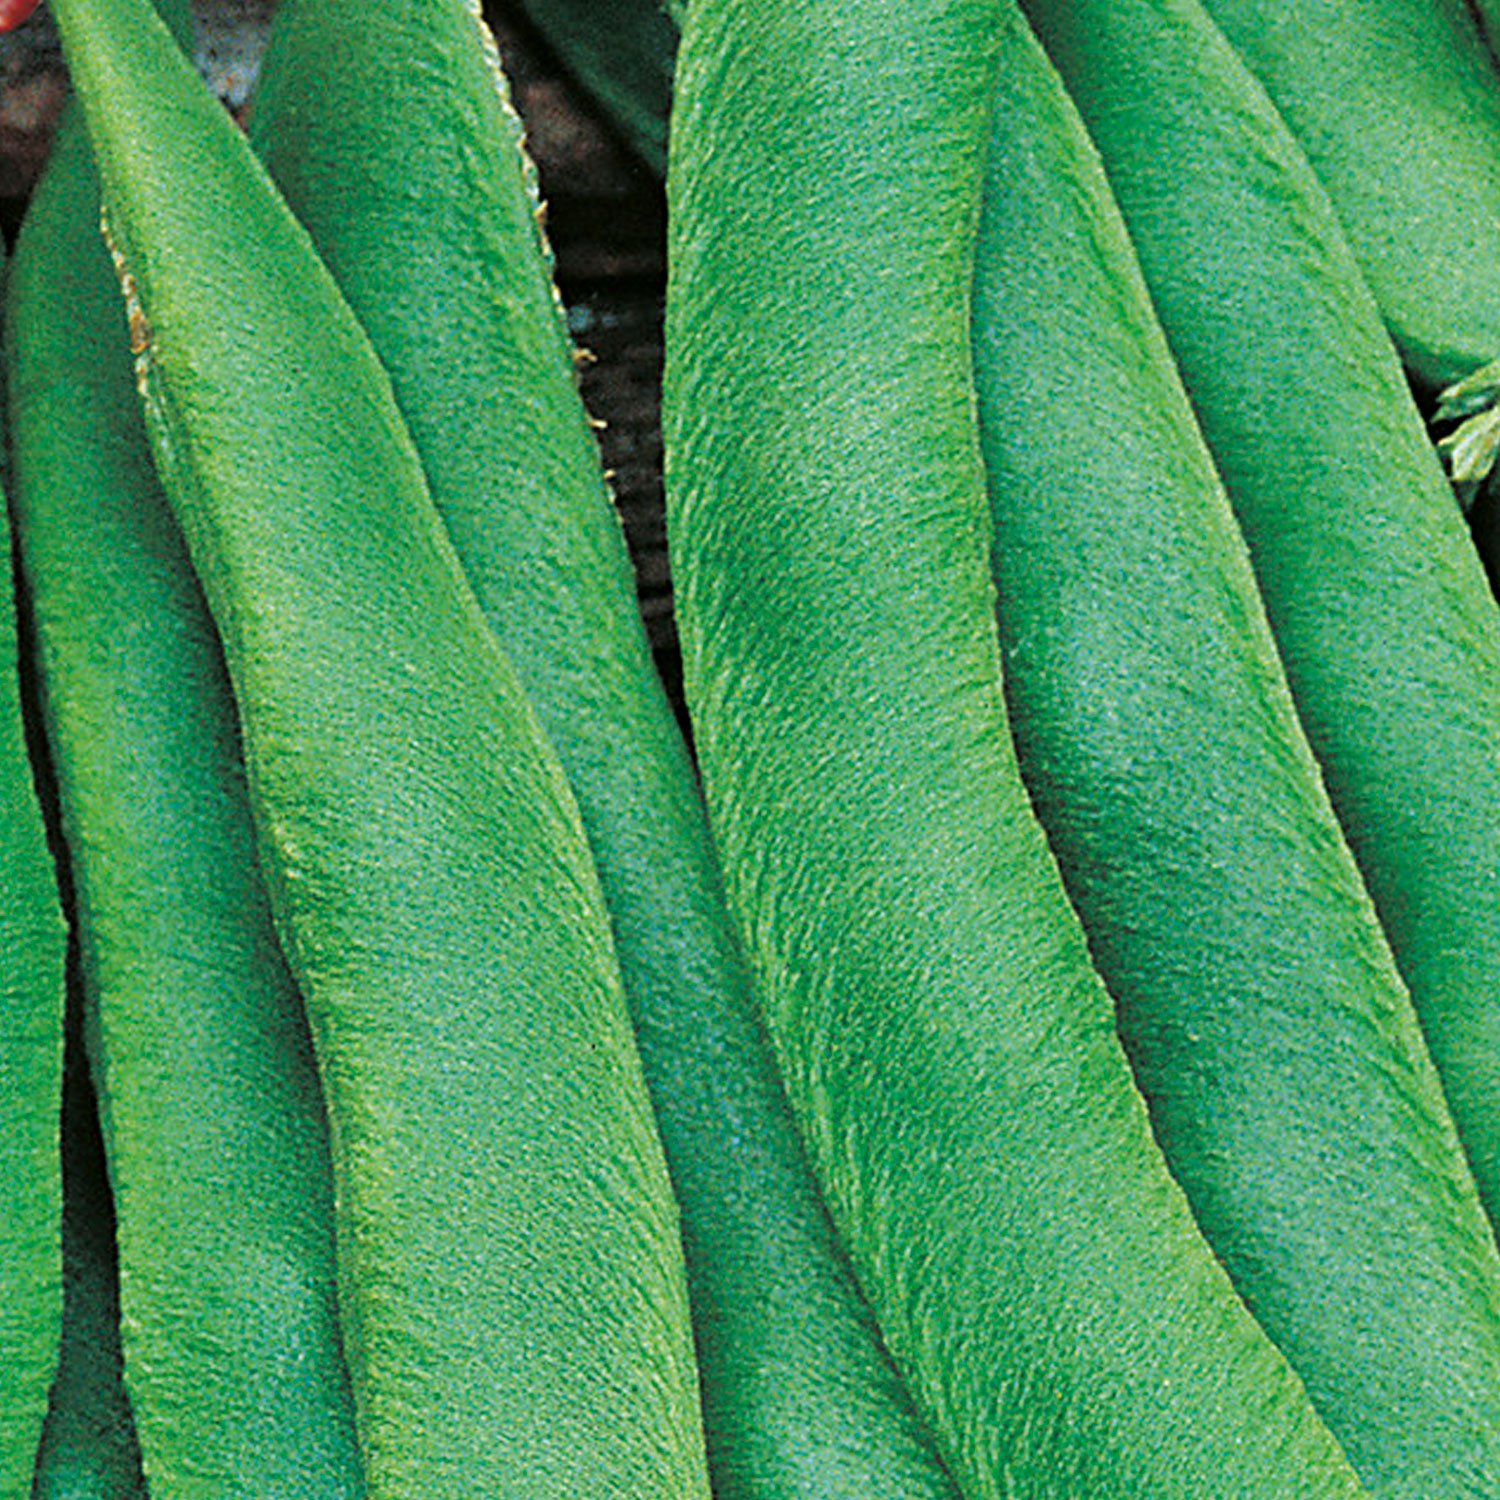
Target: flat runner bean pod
column 89, row 1449
column 212, row 1113
column 31, row 1058
column 950, row 1054
column 450, row 279
column 511, row 1284
column 1398, row 107
column 1384, row 620
column 1271, row 1034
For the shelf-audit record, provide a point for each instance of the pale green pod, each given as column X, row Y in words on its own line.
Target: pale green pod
column 510, row 1276
column 213, row 1117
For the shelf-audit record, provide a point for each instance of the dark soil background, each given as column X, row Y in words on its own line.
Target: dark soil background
column 605, row 215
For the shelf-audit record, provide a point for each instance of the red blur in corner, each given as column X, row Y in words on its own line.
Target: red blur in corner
column 13, row 12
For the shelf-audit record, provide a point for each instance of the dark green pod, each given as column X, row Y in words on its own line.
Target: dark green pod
column 413, row 182
column 1269, row 1029
column 1398, row 107
column 1384, row 620
column 622, row 52
column 31, row 1058
column 89, row 1449
column 511, row 1283
column 213, row 1116
column 950, row 1054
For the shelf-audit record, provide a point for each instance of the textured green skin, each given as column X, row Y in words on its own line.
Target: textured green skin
column 1384, row 620
column 622, row 52
column 31, row 1059
column 950, row 1054
column 1270, row 1032
column 451, row 282
column 1397, row 106
column 88, row 1449
column 511, row 1282
column 217, row 1139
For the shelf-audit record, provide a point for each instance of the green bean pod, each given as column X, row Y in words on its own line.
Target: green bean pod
column 32, row 939
column 1381, row 611
column 1398, row 107
column 949, row 1052
column 1270, row 1031
column 511, row 1283
column 89, row 1449
column 621, row 52
column 212, row 1113
column 450, row 279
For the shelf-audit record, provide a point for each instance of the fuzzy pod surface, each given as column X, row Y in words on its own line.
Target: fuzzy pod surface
column 1398, row 107
column 209, row 1096
column 89, row 1449
column 511, row 1283
column 949, row 1052
column 452, row 283
column 32, row 944
column 1269, row 1029
column 1381, row 611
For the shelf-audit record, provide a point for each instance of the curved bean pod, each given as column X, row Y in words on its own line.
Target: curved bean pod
column 511, row 1284
column 950, row 1054
column 1398, row 107
column 213, row 1117
column 32, row 941
column 450, row 279
column 1269, row 1029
